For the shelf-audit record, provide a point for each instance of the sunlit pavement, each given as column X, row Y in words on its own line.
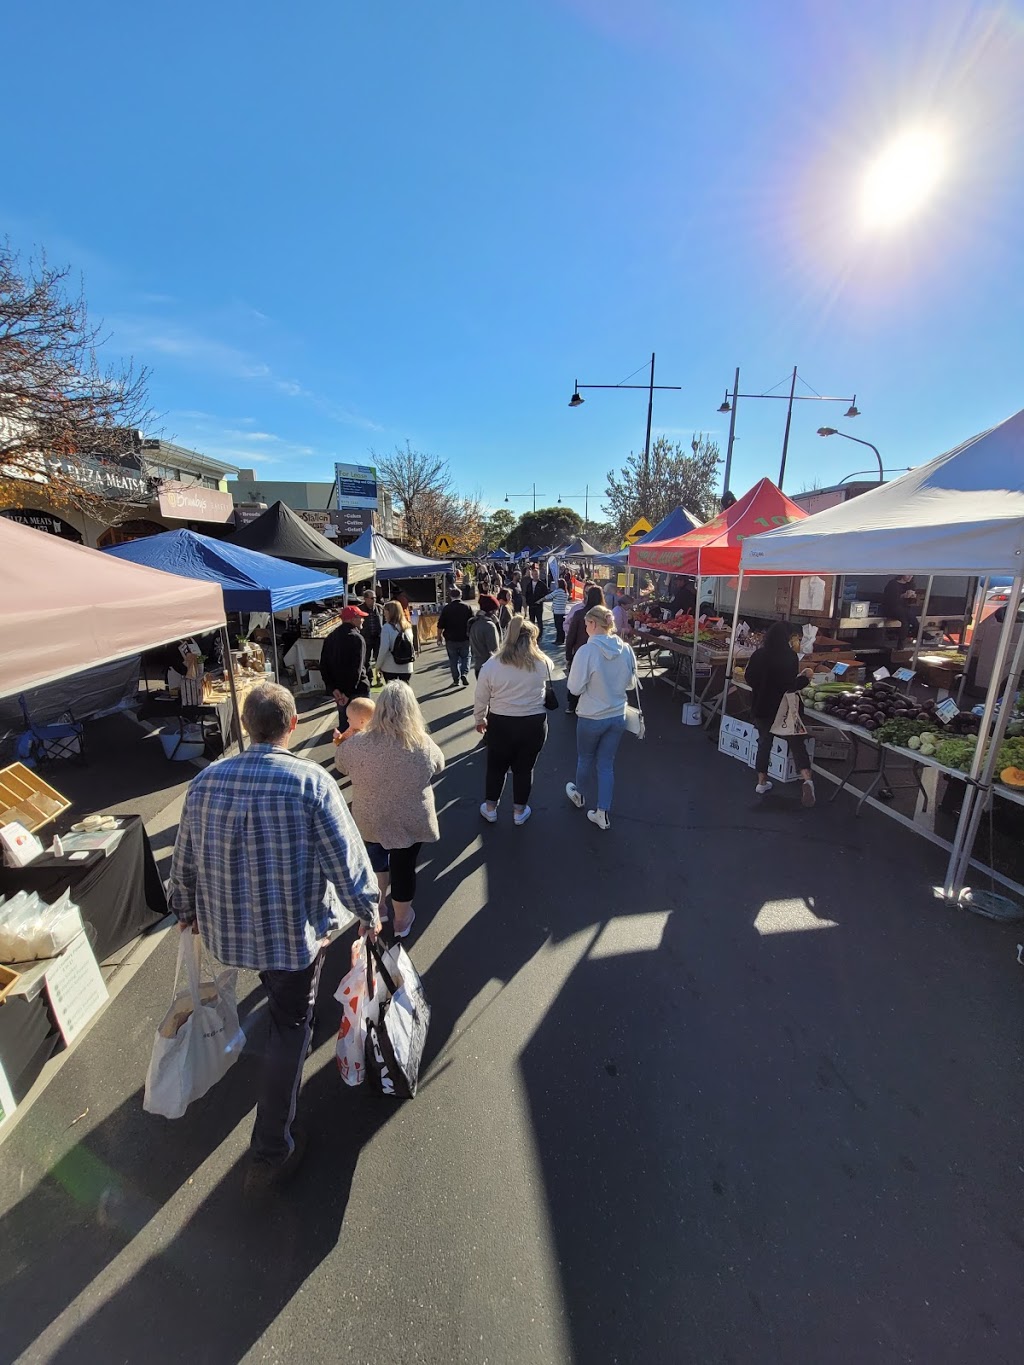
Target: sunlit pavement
column 724, row 1083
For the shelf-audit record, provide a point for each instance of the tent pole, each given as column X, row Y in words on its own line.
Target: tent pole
column 236, row 718
column 970, row 814
column 977, row 607
column 273, row 638
column 696, row 628
column 732, row 644
column 921, row 620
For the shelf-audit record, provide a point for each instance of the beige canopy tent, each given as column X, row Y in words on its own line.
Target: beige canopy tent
column 65, row 608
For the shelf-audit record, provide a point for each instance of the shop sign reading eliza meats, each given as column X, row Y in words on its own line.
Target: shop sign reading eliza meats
column 117, row 480
column 194, row 502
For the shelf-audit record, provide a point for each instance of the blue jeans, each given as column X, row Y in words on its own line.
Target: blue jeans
column 597, row 742
column 458, row 658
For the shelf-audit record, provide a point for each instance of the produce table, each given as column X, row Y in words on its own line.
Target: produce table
column 678, row 673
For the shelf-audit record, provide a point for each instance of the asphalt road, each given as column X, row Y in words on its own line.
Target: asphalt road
column 724, row 1084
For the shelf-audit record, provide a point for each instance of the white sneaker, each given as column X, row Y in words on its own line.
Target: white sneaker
column 599, row 818
column 491, row 816
column 763, row 787
column 521, row 816
column 574, row 794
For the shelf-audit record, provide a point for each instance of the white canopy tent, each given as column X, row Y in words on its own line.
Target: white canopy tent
column 962, row 512
column 67, row 608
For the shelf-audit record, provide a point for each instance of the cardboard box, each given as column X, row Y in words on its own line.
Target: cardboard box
column 735, row 746
column 858, row 611
column 781, row 767
column 742, row 729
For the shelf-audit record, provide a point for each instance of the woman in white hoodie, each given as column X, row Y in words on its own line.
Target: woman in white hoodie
column 602, row 672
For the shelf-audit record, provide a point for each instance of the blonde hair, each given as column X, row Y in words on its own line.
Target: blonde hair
column 520, row 645
column 602, row 618
column 362, row 706
column 397, row 716
column 394, row 615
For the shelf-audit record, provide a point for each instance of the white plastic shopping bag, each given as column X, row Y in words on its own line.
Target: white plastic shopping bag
column 199, row 1038
column 354, row 995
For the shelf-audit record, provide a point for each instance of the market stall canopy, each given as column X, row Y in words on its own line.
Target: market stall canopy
column 578, row 549
column 962, row 513
column 249, row 581
column 391, row 562
column 499, row 554
column 68, row 608
column 714, row 549
column 281, row 533
column 678, row 522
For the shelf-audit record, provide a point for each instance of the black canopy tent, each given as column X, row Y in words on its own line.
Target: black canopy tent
column 282, row 533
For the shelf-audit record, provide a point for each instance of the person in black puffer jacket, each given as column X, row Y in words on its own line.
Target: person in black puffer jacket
column 774, row 670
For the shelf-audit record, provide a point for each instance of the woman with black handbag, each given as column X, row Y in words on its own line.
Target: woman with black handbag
column 513, row 695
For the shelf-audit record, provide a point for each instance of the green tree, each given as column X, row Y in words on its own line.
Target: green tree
column 547, row 526
column 602, row 535
column 677, row 478
column 497, row 529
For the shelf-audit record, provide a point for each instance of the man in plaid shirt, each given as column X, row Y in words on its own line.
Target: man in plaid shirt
column 266, row 864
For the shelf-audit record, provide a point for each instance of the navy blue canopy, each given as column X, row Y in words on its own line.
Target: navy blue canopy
column 250, row 581
column 679, row 522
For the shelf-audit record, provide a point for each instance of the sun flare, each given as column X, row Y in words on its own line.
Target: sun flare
column 902, row 179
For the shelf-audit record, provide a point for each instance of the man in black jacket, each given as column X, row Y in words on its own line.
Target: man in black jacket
column 453, row 628
column 534, row 593
column 343, row 663
column 371, row 629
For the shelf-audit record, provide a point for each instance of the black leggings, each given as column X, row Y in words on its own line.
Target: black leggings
column 513, row 742
column 402, row 866
column 765, row 740
column 398, row 677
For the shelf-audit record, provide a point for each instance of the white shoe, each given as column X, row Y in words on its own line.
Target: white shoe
column 599, row 818
column 521, row 816
column 404, row 933
column 574, row 794
column 763, row 787
column 491, row 816
column 807, row 797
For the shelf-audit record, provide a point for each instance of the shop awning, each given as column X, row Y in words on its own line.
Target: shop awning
column 962, row 513
column 714, row 549
column 68, row 608
column 391, row 562
column 281, row 533
column 249, row 581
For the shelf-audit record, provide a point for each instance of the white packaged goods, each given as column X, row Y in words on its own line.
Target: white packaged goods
column 30, row 929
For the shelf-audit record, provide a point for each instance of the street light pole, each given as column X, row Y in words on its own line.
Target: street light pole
column 577, row 399
column 650, row 413
column 833, row 431
column 732, row 431
column 789, row 421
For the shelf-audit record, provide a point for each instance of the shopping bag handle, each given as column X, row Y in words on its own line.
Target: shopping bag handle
column 378, row 957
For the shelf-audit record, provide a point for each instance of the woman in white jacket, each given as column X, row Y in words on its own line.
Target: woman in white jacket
column 396, row 637
column 602, row 672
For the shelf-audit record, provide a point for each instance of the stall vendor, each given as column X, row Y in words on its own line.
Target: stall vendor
column 898, row 601
column 685, row 597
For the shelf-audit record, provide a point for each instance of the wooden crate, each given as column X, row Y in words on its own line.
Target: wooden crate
column 26, row 798
column 9, row 978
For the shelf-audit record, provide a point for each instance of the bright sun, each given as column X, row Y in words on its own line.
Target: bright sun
column 901, row 179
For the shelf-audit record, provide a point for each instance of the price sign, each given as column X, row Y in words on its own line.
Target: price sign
column 76, row 989
column 904, row 675
column 881, row 673
column 7, row 1105
column 947, row 710
column 839, row 669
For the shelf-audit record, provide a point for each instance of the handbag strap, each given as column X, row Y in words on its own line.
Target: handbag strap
column 382, row 967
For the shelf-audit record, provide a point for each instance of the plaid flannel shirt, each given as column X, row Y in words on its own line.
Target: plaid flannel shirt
column 265, row 847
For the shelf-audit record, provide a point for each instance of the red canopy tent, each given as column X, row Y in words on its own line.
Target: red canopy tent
column 714, row 549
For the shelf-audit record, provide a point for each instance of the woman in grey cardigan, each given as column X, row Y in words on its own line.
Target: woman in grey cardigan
column 391, row 765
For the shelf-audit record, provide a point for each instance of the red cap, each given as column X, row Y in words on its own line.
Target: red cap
column 353, row 614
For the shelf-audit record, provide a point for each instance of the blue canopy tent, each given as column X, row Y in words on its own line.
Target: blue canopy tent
column 679, row 522
column 391, row 562
column 250, row 581
column 499, row 554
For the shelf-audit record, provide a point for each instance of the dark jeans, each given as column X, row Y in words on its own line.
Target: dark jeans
column 537, row 617
column 513, row 742
column 400, row 863
column 361, row 691
column 765, row 740
column 291, row 997
column 909, row 625
column 458, row 658
column 571, row 701
column 560, row 630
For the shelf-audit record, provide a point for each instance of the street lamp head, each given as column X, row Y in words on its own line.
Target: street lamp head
column 726, row 405
column 827, row 431
column 506, row 497
column 576, row 399
column 853, row 410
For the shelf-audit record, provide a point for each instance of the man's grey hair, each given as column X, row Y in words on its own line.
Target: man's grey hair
column 268, row 712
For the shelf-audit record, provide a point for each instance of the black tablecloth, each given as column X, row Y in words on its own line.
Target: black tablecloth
column 120, row 894
column 27, row 1038
column 170, row 708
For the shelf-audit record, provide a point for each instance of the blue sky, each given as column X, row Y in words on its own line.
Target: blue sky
column 331, row 228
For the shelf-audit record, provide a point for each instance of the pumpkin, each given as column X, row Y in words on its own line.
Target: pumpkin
column 1013, row 777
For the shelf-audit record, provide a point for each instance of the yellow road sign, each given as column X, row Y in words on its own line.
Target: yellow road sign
column 640, row 528
column 443, row 545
